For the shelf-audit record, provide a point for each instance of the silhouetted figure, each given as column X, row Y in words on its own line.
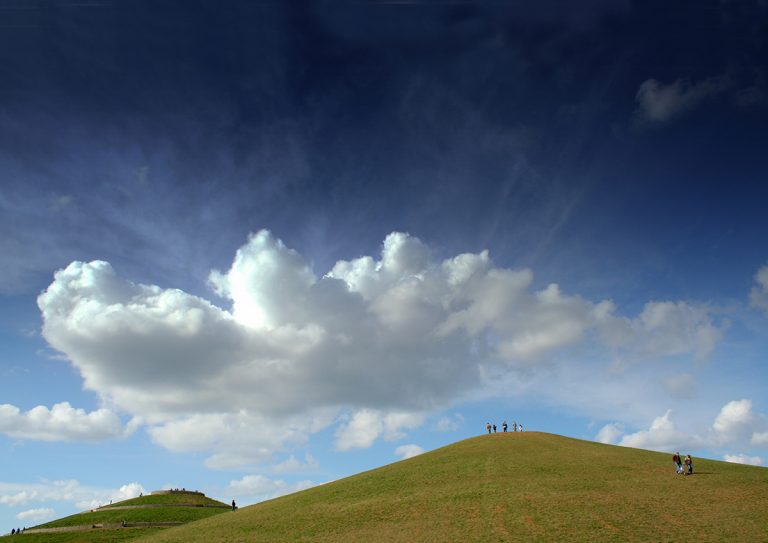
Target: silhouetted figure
column 504, row 426
column 514, row 426
column 494, row 428
column 13, row 532
column 234, row 505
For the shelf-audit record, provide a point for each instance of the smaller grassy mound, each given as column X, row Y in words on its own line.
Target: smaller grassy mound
column 173, row 507
column 174, row 498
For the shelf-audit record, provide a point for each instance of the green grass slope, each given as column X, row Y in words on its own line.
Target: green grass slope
column 511, row 487
column 174, row 507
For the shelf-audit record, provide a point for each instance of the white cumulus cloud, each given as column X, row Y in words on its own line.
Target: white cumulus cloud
column 663, row 435
column 259, row 487
column 62, row 422
column 735, row 421
column 366, row 425
column 388, row 339
column 82, row 496
column 610, row 433
column 408, row 451
column 736, row 424
column 743, row 459
column 36, row 515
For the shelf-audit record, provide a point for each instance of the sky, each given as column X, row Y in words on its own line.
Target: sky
column 258, row 246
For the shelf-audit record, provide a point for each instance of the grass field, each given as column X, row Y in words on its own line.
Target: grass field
column 511, row 487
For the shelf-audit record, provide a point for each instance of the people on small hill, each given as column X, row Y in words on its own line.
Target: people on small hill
column 488, row 427
column 504, row 426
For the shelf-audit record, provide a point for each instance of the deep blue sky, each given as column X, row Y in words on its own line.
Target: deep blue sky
column 614, row 148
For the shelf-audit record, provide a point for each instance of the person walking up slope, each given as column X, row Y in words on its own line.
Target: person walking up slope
column 678, row 463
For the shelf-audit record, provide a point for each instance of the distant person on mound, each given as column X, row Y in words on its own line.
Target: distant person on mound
column 678, row 463
column 234, row 505
column 688, row 465
column 504, row 426
column 488, row 427
column 494, row 428
column 520, row 426
column 514, row 426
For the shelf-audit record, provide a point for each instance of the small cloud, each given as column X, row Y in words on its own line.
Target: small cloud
column 743, row 459
column 610, row 433
column 663, row 435
column 408, row 451
column 263, row 488
column 62, row 422
column 659, row 102
column 450, row 424
column 681, row 386
column 758, row 296
column 43, row 513
column 60, row 202
column 83, row 497
column 366, row 425
column 292, row 465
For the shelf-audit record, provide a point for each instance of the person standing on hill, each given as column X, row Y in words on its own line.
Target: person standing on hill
column 504, row 426
column 688, row 465
column 494, row 428
column 678, row 463
column 488, row 427
column 234, row 505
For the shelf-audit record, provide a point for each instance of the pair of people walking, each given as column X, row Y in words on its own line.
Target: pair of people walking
column 679, row 463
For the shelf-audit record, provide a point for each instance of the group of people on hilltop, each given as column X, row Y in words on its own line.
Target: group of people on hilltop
column 504, row 426
column 19, row 531
column 688, row 462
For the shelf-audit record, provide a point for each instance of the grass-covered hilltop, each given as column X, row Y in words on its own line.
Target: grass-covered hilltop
column 511, row 487
column 128, row 519
column 502, row 487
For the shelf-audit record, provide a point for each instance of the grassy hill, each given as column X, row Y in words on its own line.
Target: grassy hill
column 511, row 487
column 136, row 513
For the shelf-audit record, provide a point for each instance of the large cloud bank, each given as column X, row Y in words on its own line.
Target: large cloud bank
column 384, row 339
